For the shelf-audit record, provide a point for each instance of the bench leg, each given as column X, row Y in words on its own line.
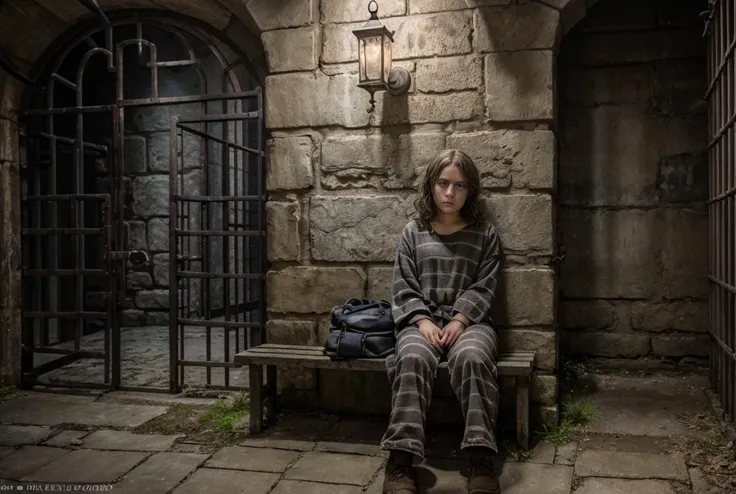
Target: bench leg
column 273, row 391
column 256, row 398
column 522, row 411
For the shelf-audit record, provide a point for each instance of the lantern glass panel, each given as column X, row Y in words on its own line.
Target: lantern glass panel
column 386, row 58
column 371, row 48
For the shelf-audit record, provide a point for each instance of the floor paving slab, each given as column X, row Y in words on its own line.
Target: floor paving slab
column 35, row 410
column 535, row 478
column 27, row 460
column 88, row 466
column 631, row 465
column 127, row 441
column 159, row 474
column 441, row 475
column 701, row 486
column 64, row 438
column 214, row 481
column 647, row 406
column 357, row 436
column 254, row 459
column 18, row 435
column 335, row 468
column 566, row 453
column 626, row 444
column 543, row 453
column 302, row 487
column 621, row 486
column 293, row 432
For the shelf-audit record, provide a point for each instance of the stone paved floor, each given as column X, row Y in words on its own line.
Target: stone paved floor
column 50, row 438
column 145, row 358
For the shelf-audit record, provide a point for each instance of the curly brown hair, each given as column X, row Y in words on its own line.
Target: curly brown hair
column 472, row 211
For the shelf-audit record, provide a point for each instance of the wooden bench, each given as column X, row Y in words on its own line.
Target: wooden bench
column 518, row 365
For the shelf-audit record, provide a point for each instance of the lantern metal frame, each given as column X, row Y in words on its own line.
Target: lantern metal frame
column 399, row 79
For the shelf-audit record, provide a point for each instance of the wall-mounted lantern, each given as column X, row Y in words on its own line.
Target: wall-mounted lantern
column 374, row 59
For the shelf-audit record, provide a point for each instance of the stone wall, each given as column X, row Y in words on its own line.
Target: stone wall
column 632, row 185
column 341, row 180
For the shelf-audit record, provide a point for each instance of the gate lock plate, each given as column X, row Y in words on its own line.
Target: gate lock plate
column 136, row 257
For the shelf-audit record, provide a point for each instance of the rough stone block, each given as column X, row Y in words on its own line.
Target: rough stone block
column 425, row 6
column 599, row 344
column 378, row 160
column 517, row 287
column 335, row 11
column 158, row 234
column 427, row 108
column 587, row 314
column 415, row 36
column 289, row 332
column 138, row 280
column 335, row 100
column 329, row 286
column 132, row 318
column 606, row 85
column 364, row 228
column 290, row 163
column 282, row 225
column 672, row 14
column 609, row 156
column 544, row 416
column 134, row 154
column 137, row 235
column 189, row 146
column 682, row 134
column 366, row 153
column 524, row 222
column 527, row 156
column 681, row 346
column 675, row 316
column 528, row 26
column 151, row 196
column 157, row 318
column 527, row 340
column 292, row 49
column 161, row 269
column 440, row 75
column 520, row 86
column 684, row 178
column 543, row 389
column 679, row 86
column 685, row 254
column 152, row 299
column 271, row 15
column 637, row 47
column 380, row 283
column 610, row 254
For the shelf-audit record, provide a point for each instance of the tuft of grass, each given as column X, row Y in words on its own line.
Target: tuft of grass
column 8, row 391
column 576, row 415
column 226, row 412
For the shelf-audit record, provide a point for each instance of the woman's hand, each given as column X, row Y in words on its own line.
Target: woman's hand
column 451, row 332
column 431, row 331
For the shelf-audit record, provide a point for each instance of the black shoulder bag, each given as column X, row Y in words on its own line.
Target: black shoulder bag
column 361, row 328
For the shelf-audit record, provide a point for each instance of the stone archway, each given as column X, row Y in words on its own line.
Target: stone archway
column 42, row 35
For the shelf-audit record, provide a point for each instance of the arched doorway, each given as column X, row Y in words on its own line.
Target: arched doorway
column 145, row 172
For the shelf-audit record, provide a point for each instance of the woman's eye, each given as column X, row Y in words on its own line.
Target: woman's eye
column 460, row 186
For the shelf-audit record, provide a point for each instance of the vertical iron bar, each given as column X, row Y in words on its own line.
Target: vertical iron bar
column 225, row 171
column 261, row 221
column 173, row 254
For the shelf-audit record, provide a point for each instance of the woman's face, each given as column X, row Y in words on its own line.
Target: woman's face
column 450, row 190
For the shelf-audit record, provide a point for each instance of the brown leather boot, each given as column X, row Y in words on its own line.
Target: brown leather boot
column 401, row 476
column 483, row 477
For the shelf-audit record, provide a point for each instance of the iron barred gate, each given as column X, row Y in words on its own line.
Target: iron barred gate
column 721, row 96
column 143, row 210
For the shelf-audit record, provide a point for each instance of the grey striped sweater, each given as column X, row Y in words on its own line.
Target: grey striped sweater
column 437, row 276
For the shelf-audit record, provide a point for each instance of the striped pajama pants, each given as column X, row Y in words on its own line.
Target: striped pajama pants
column 412, row 369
